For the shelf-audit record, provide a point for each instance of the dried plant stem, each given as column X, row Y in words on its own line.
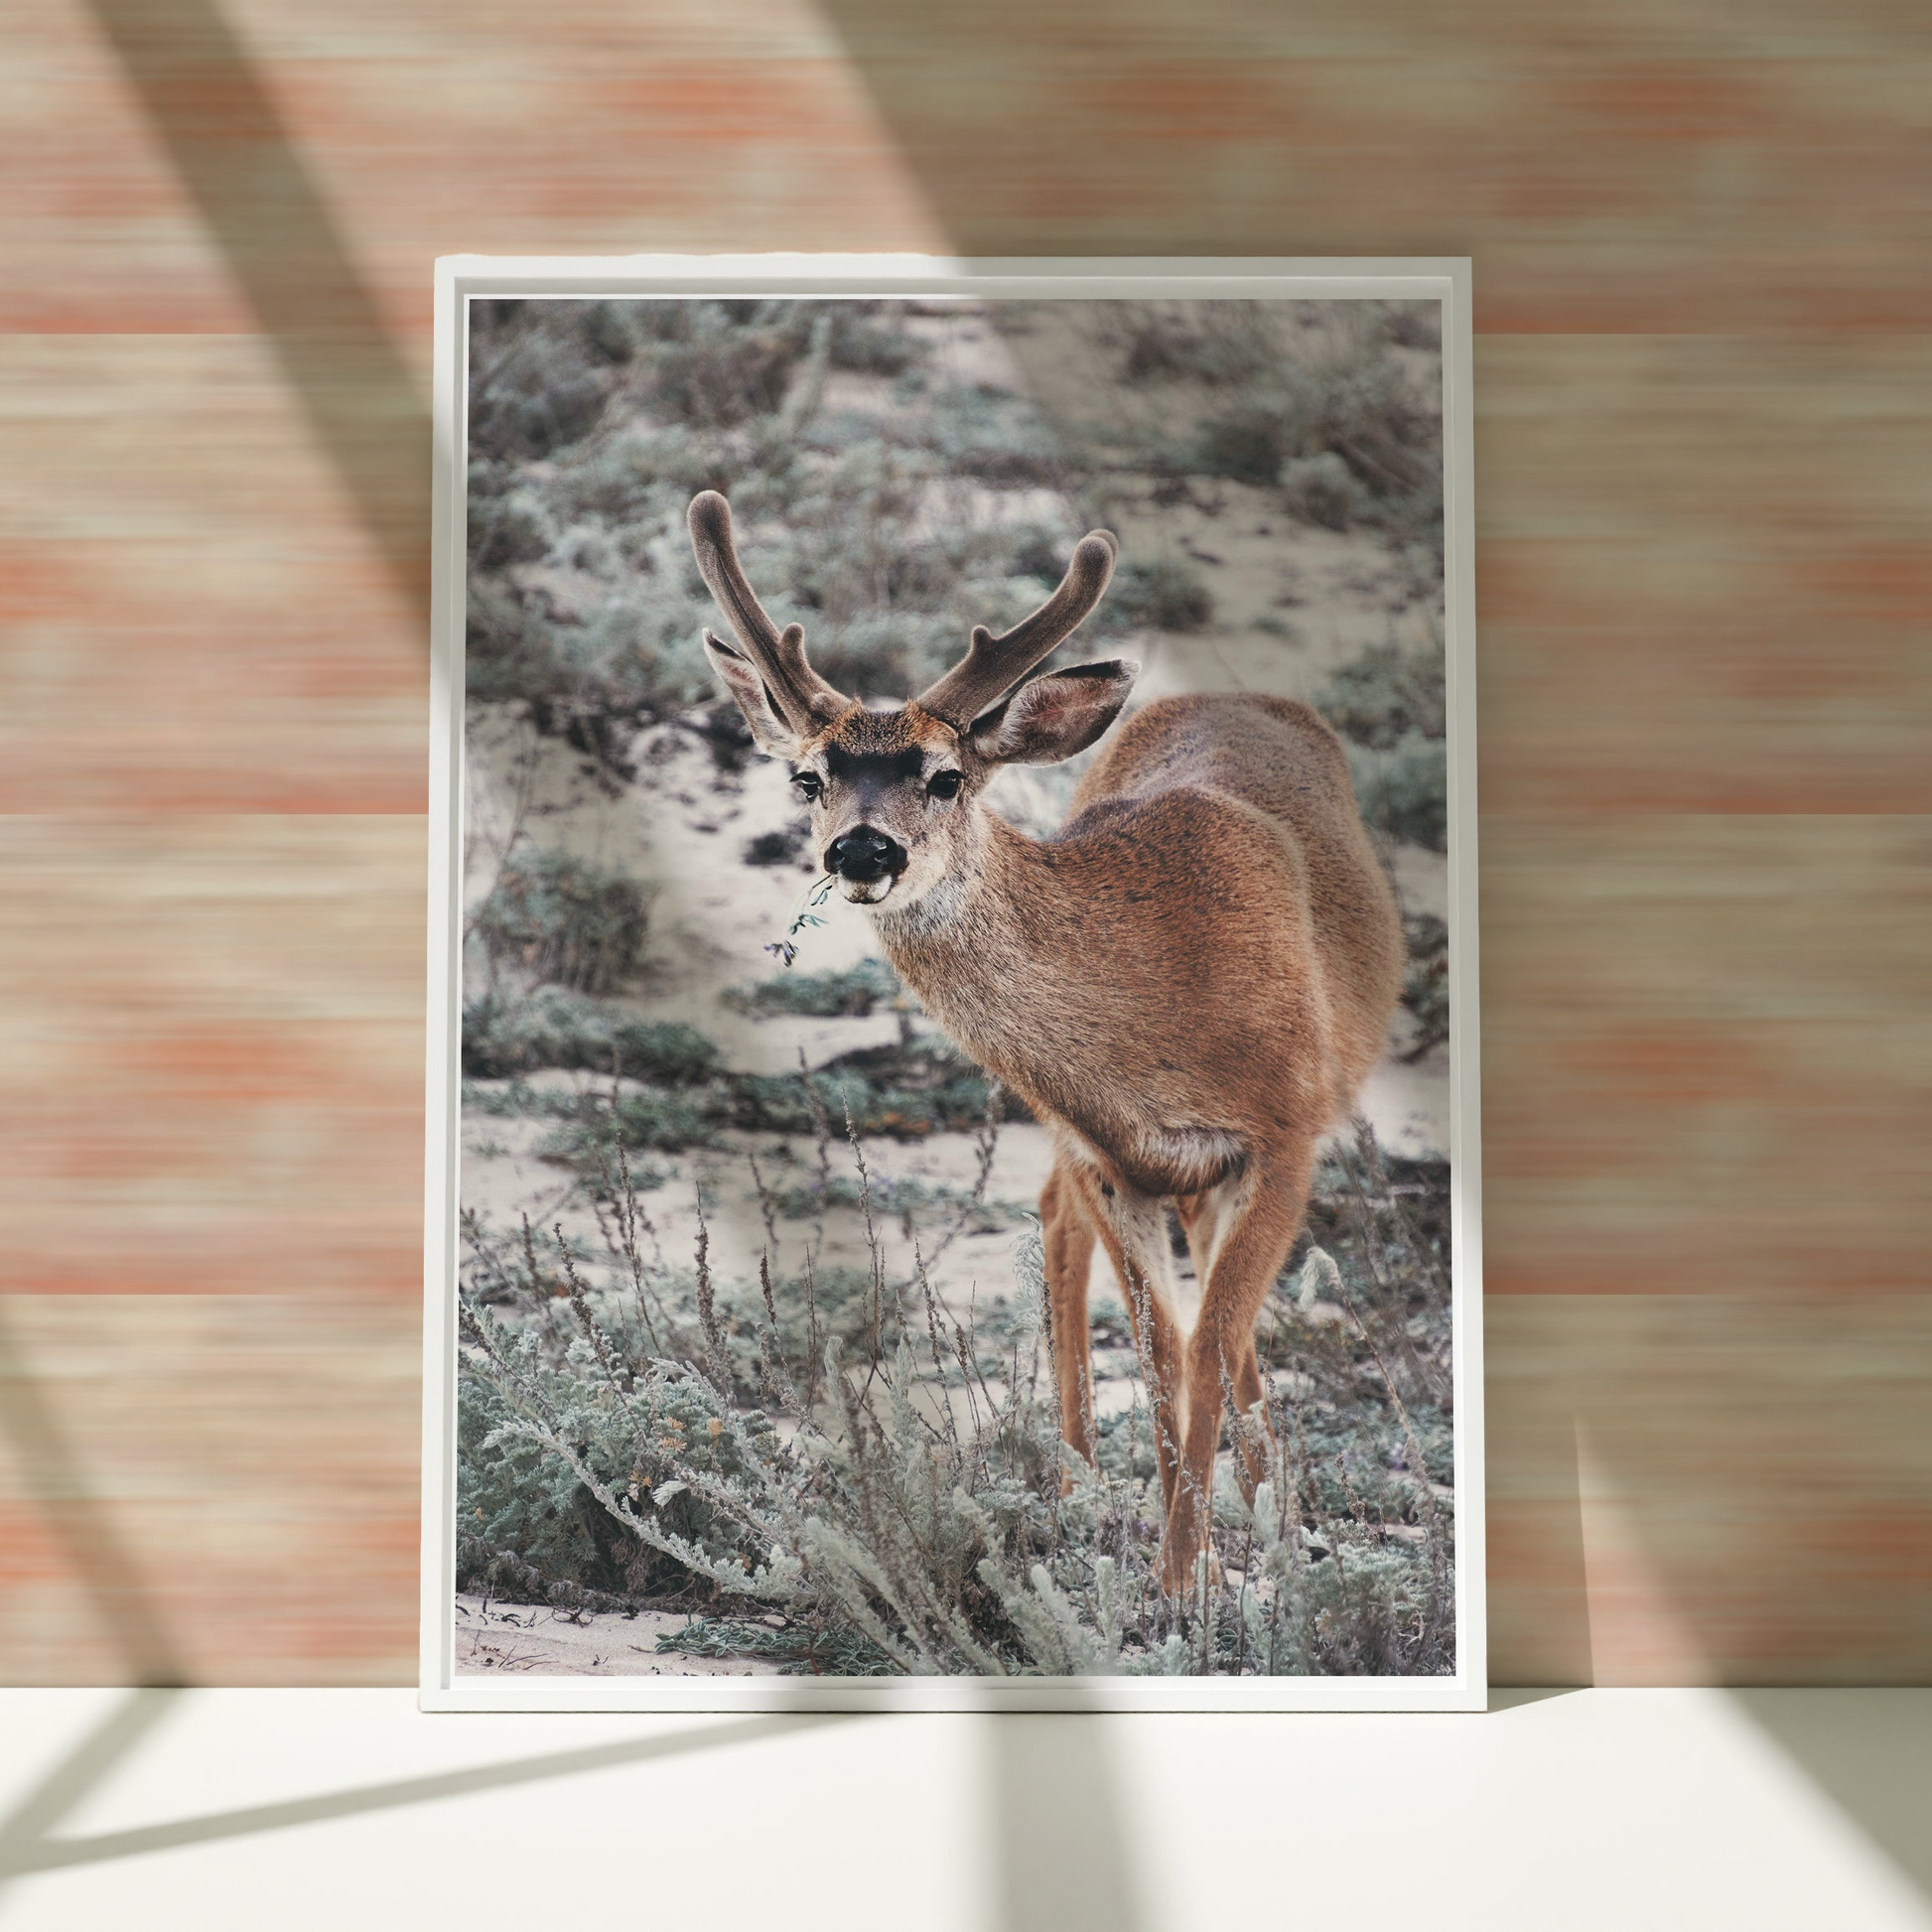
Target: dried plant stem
column 717, row 1365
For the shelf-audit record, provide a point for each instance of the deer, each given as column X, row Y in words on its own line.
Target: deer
column 1186, row 985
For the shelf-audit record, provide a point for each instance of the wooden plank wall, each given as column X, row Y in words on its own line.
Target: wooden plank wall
column 1701, row 239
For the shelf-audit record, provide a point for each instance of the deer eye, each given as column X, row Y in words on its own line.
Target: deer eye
column 809, row 784
column 946, row 784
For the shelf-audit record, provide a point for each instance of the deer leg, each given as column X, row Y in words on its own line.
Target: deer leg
column 1253, row 1431
column 1202, row 1221
column 1133, row 1230
column 1247, row 1232
column 1067, row 1238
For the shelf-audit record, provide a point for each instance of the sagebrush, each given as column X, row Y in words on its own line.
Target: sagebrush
column 848, row 1474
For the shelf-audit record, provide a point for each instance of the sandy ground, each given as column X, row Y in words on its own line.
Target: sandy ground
column 531, row 1640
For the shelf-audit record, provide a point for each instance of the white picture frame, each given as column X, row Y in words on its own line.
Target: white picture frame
column 461, row 279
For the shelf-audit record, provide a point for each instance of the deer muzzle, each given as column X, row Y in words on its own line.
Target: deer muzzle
column 867, row 858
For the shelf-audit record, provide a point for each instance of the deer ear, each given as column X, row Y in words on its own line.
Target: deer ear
column 769, row 733
column 1050, row 718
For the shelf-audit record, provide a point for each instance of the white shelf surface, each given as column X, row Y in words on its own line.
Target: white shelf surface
column 1581, row 1811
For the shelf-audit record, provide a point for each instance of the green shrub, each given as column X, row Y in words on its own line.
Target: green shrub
column 1165, row 595
column 1341, row 432
column 996, row 437
column 909, row 1094
column 1324, row 489
column 557, row 919
column 538, row 400
column 782, row 847
column 514, row 1489
column 1244, row 445
column 1412, row 325
column 1425, row 987
column 1156, row 346
column 1404, row 791
column 849, row 994
column 902, row 1091
column 799, row 1648
column 1359, row 408
column 724, row 371
column 1390, row 708
column 905, row 1199
column 871, row 340
column 1379, row 1231
column 507, row 1033
column 779, row 1454
column 1387, row 694
column 515, row 525
column 668, row 1119
column 515, row 1099
column 1216, row 343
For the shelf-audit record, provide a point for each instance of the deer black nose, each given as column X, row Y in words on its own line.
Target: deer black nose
column 863, row 854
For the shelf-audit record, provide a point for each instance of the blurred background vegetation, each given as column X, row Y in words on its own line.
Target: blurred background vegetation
column 880, row 519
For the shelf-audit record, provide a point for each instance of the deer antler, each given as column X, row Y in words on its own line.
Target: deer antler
column 804, row 698
column 993, row 665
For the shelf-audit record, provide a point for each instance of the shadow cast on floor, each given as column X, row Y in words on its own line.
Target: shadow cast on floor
column 1870, row 1751
column 1059, row 1855
column 27, row 1845
column 1061, row 1860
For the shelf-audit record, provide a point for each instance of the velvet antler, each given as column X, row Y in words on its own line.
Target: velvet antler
column 804, row 698
column 993, row 665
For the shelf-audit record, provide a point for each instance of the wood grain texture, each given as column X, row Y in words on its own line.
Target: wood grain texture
column 1700, row 233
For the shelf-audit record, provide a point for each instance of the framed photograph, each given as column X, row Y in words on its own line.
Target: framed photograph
column 953, row 1169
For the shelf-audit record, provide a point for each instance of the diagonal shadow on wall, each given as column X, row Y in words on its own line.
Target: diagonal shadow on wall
column 213, row 114
column 214, row 117
column 54, row 1478
column 1131, row 128
column 59, row 1487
